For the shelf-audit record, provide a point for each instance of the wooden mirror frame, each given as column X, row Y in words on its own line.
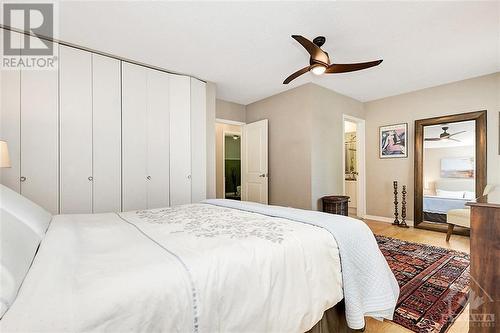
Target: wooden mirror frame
column 481, row 153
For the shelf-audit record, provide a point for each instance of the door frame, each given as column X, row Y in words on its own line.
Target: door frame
column 480, row 118
column 360, row 162
column 224, row 132
column 229, row 122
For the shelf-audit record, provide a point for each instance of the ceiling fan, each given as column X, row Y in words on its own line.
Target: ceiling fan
column 319, row 62
column 445, row 135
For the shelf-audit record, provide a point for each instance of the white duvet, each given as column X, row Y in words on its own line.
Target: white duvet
column 193, row 268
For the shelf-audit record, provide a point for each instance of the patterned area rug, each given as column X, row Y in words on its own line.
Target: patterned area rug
column 433, row 281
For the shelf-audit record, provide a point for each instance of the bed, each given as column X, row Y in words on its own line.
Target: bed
column 448, row 194
column 220, row 265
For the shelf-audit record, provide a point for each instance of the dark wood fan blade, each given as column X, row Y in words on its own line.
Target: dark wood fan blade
column 344, row 68
column 456, row 133
column 313, row 49
column 432, row 139
column 296, row 74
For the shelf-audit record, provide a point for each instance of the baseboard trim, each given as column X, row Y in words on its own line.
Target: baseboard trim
column 386, row 219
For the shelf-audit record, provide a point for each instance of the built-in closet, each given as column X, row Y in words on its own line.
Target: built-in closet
column 90, row 132
column 29, row 124
column 103, row 135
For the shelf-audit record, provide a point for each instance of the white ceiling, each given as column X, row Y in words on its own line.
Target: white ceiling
column 466, row 139
column 246, row 49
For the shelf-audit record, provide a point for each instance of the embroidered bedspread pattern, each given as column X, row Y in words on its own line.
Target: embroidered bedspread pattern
column 192, row 268
column 370, row 288
column 246, row 267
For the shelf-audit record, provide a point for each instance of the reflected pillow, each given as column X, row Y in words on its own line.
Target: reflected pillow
column 450, row 194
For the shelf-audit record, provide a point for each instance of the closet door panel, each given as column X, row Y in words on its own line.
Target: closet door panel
column 106, row 129
column 198, row 141
column 158, row 139
column 10, row 113
column 134, row 136
column 39, row 137
column 75, row 93
column 180, row 145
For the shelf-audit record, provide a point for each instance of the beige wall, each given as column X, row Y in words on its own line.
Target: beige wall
column 432, row 162
column 289, row 145
column 219, row 137
column 230, row 111
column 305, row 143
column 327, row 149
column 482, row 93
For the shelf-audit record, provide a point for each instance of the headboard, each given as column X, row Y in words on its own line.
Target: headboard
column 456, row 184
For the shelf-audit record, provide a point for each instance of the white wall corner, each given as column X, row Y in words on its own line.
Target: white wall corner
column 211, row 186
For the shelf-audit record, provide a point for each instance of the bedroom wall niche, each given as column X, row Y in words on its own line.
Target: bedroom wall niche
column 100, row 134
column 450, row 157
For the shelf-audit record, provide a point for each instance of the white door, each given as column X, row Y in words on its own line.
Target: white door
column 158, row 139
column 10, row 117
column 254, row 169
column 39, row 137
column 75, row 94
column 134, row 136
column 106, row 133
column 198, row 141
column 180, row 137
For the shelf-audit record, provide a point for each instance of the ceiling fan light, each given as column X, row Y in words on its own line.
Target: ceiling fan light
column 318, row 69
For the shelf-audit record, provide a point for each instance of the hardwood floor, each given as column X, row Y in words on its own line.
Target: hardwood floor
column 460, row 243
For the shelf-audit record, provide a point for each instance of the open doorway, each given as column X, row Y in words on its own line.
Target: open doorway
column 232, row 165
column 228, row 159
column 354, row 164
column 242, row 160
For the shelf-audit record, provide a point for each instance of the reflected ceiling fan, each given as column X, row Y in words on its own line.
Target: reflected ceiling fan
column 319, row 62
column 445, row 135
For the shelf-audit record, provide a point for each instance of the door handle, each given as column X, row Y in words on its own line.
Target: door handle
column 90, row 178
column 148, row 177
column 23, row 179
column 262, row 175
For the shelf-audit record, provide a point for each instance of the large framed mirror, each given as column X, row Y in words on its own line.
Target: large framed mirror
column 450, row 166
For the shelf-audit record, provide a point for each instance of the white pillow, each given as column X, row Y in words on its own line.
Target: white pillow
column 22, row 227
column 469, row 195
column 450, row 194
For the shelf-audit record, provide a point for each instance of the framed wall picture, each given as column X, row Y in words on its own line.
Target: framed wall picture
column 457, row 167
column 393, row 141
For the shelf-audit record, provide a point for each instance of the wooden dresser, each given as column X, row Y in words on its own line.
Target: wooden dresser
column 485, row 264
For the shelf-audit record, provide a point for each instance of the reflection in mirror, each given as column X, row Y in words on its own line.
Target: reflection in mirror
column 448, row 169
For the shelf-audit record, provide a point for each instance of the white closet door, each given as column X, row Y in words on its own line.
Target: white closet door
column 134, row 136
column 158, row 139
column 75, row 93
column 180, row 137
column 106, row 130
column 39, row 137
column 10, row 111
column 198, row 141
